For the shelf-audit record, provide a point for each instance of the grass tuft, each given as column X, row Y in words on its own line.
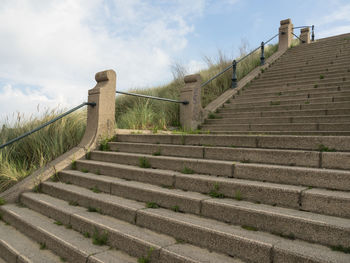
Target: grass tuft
column 250, row 228
column 95, row 190
column 215, row 192
column 144, row 163
column 323, row 148
column 2, row 201
column 152, row 205
column 99, row 239
column 187, row 170
column 340, row 248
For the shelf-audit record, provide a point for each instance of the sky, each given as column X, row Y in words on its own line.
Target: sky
column 50, row 50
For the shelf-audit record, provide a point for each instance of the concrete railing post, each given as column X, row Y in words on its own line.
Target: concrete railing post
column 101, row 118
column 285, row 34
column 305, row 35
column 191, row 115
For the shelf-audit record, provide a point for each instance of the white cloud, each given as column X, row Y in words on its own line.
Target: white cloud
column 335, row 23
column 58, row 46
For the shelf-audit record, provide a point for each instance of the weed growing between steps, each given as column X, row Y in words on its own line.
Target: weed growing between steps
column 55, row 178
column 95, row 190
column 74, row 165
column 249, row 228
column 152, row 205
column 2, row 202
column 42, row 246
column 274, row 103
column 215, row 192
column 27, row 155
column 104, row 144
column 176, row 208
column 144, row 163
column 94, row 210
column 84, row 170
column 157, row 153
column 59, row 223
column 86, row 234
column 99, row 239
column 341, row 249
column 73, row 203
column 146, row 259
column 323, row 148
column 187, row 170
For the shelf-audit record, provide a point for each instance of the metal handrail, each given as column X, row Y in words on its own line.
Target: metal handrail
column 297, row 27
column 234, row 64
column 303, row 41
column 47, row 123
column 185, row 102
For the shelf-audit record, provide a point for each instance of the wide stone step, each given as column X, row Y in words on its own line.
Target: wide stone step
column 300, row 76
column 237, row 104
column 322, row 178
column 335, row 202
column 311, row 71
column 281, row 120
column 234, row 153
column 316, row 112
column 254, row 246
column 311, row 89
column 134, row 239
column 339, row 143
column 278, row 127
column 293, row 107
column 16, row 247
column 316, row 228
column 297, row 133
column 296, row 82
column 285, row 96
column 68, row 244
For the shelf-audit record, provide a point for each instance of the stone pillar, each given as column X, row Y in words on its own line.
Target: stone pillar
column 191, row 115
column 285, row 34
column 101, row 118
column 305, row 35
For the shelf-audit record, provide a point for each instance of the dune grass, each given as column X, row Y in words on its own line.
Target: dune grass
column 23, row 157
column 141, row 113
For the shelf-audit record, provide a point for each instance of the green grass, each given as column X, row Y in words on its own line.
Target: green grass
column 321, row 76
column 73, row 203
column 84, row 170
column 250, row 228
column 147, row 258
column 104, row 144
column 94, row 210
column 157, row 153
column 272, row 103
column 176, row 208
column 144, row 163
column 99, row 239
column 215, row 192
column 152, row 205
column 95, row 190
column 341, row 249
column 2, row 201
column 86, row 234
column 59, row 223
column 27, row 155
column 323, row 148
column 42, row 246
column 238, row 195
column 187, row 170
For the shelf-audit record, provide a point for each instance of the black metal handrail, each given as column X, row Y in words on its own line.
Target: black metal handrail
column 303, row 41
column 47, row 123
column 185, row 102
column 235, row 62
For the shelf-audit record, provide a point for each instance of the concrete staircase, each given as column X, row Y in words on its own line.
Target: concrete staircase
column 232, row 197
column 306, row 92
